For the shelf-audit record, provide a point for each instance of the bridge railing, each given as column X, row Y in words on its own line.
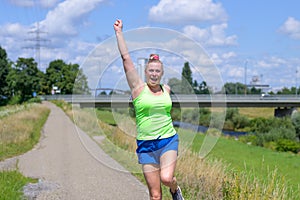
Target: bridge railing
column 70, row 98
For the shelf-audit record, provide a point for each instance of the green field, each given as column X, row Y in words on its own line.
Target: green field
column 256, row 161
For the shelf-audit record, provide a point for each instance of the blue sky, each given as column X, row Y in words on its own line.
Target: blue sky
column 261, row 38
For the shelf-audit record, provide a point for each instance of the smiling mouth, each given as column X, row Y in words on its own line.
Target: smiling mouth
column 153, row 80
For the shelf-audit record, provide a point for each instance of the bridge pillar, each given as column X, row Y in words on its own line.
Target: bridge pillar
column 282, row 112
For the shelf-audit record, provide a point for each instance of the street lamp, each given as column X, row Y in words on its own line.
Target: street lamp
column 246, row 76
column 296, row 82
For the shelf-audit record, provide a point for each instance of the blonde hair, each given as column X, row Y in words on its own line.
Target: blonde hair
column 154, row 58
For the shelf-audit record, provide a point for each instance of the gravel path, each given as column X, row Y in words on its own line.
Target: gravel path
column 67, row 170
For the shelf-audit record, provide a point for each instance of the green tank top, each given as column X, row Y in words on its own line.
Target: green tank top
column 153, row 115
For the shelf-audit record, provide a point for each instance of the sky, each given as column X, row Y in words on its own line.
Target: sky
column 252, row 42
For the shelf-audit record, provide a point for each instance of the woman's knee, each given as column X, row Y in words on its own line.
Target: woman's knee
column 167, row 179
column 155, row 195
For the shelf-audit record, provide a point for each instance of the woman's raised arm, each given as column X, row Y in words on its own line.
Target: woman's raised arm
column 133, row 79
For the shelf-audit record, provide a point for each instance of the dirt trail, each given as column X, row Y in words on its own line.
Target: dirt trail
column 68, row 171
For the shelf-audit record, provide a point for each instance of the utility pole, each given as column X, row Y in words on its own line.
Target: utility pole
column 38, row 40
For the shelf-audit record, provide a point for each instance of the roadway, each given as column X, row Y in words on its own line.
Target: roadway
column 115, row 101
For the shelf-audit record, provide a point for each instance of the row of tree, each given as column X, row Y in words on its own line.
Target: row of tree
column 187, row 86
column 21, row 80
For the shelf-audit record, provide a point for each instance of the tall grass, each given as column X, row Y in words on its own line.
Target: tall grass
column 212, row 179
column 7, row 110
column 20, row 131
column 209, row 178
column 257, row 112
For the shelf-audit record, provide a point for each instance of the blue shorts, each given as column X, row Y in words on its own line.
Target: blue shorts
column 150, row 151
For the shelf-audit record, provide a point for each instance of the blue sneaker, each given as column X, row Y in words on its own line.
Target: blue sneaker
column 177, row 195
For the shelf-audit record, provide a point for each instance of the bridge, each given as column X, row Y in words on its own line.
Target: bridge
column 284, row 104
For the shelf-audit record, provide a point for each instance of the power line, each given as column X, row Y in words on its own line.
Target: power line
column 38, row 42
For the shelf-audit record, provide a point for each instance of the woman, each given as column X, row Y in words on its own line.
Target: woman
column 157, row 140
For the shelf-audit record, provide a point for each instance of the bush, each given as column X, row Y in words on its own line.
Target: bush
column 231, row 112
column 271, row 131
column 15, row 100
column 176, row 114
column 34, row 100
column 240, row 121
column 217, row 121
column 249, row 138
column 228, row 125
column 271, row 145
column 190, row 115
column 279, row 133
column 296, row 123
column 288, row 145
column 234, row 120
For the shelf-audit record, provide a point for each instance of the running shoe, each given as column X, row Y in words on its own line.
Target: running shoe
column 177, row 195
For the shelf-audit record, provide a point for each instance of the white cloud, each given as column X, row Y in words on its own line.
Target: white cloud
column 68, row 16
column 212, row 36
column 31, row 3
column 13, row 30
column 48, row 3
column 229, row 55
column 216, row 59
column 291, row 27
column 60, row 24
column 186, row 11
column 23, row 3
column 233, row 73
column 271, row 62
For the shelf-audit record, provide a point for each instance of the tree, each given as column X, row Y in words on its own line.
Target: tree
column 254, row 90
column 55, row 76
column 24, row 78
column 195, row 87
column 4, row 71
column 175, row 85
column 186, row 79
column 285, row 90
column 43, row 87
column 203, row 88
column 235, row 88
column 64, row 77
column 81, row 84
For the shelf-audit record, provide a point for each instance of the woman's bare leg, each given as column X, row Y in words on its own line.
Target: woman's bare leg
column 168, row 164
column 152, row 176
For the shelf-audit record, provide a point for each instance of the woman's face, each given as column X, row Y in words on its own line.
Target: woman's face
column 153, row 73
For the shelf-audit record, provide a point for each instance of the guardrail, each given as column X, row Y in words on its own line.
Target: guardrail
column 185, row 100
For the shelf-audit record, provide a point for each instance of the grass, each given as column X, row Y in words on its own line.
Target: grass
column 255, row 161
column 21, row 131
column 11, row 184
column 257, row 112
column 7, row 110
column 232, row 170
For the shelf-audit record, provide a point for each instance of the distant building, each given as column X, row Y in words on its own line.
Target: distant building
column 141, row 64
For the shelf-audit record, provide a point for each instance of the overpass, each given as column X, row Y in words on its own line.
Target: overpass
column 284, row 104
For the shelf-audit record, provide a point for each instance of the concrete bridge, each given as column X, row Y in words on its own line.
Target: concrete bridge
column 283, row 104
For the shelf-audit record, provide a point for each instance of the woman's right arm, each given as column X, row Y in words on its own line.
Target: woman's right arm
column 133, row 79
